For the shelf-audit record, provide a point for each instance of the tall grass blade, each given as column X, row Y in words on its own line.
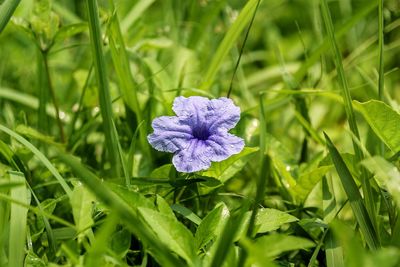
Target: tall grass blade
column 228, row 41
column 18, row 221
column 103, row 87
column 264, row 171
column 367, row 190
column 127, row 83
column 134, row 14
column 354, row 196
column 242, row 49
column 7, row 8
column 43, row 123
column 40, row 156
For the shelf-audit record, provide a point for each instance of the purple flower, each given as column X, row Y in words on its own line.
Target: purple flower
column 198, row 134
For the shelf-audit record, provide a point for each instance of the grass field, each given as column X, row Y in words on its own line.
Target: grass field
column 83, row 85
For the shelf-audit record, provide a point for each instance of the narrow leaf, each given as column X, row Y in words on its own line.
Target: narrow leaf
column 18, row 220
column 354, row 197
column 7, row 8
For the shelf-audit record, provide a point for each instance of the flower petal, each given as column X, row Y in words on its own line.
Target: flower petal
column 223, row 145
column 191, row 110
column 170, row 135
column 193, row 105
column 222, row 114
column 193, row 158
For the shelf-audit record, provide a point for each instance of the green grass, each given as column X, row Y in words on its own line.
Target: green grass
column 81, row 82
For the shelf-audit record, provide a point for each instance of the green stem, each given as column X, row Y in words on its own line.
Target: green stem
column 381, row 79
column 381, row 82
column 123, row 70
column 53, row 97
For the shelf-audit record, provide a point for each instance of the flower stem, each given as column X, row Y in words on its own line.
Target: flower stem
column 53, row 96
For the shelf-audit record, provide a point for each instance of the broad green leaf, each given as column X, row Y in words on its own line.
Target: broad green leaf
column 18, row 220
column 132, row 198
column 211, row 227
column 161, row 172
column 164, row 208
column 271, row 219
column 263, row 250
column 308, row 180
column 82, row 205
column 384, row 121
column 120, row 242
column 226, row 169
column 275, row 244
column 387, row 175
column 171, row 233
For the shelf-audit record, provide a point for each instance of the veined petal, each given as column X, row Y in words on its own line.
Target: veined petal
column 191, row 110
column 223, row 145
column 222, row 114
column 170, row 124
column 169, row 134
column 193, row 158
column 193, row 105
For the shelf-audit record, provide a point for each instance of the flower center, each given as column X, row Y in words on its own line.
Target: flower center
column 200, row 132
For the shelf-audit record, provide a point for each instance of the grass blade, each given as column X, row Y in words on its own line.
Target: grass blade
column 333, row 250
column 18, row 223
column 40, row 156
column 228, row 41
column 7, row 8
column 367, row 190
column 135, row 13
column 264, row 171
column 110, row 132
column 354, row 196
column 127, row 83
